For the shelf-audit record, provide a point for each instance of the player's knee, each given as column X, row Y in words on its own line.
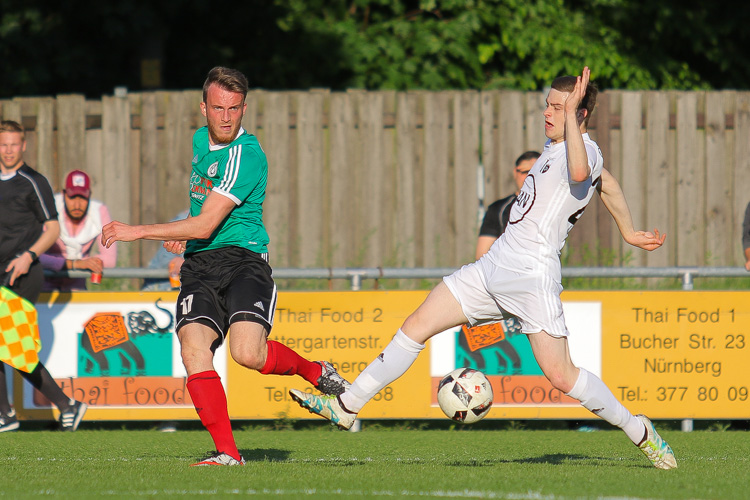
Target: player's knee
column 249, row 359
column 561, row 381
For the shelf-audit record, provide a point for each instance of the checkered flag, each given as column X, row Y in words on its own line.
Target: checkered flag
column 19, row 340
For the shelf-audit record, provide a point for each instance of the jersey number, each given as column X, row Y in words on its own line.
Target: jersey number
column 187, row 304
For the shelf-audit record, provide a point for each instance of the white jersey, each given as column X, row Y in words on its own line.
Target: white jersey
column 547, row 206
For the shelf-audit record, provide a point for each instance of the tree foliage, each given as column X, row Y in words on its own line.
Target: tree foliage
column 50, row 47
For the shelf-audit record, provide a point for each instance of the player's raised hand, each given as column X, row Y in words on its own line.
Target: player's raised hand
column 647, row 240
column 118, row 231
column 579, row 91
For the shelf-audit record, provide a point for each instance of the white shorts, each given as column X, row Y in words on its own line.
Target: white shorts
column 488, row 293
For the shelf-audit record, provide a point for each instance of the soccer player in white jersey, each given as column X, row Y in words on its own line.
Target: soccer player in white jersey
column 521, row 276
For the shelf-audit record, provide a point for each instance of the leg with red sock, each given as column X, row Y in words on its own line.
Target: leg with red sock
column 210, row 403
column 281, row 360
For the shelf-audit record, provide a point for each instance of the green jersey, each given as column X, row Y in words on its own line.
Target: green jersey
column 239, row 171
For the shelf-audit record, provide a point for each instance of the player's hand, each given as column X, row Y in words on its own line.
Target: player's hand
column 747, row 265
column 579, row 92
column 176, row 247
column 117, row 231
column 647, row 240
column 18, row 267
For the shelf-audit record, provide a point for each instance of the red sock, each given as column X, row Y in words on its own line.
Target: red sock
column 211, row 404
column 283, row 361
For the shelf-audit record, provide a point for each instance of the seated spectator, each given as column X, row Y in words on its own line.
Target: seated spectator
column 164, row 260
column 81, row 221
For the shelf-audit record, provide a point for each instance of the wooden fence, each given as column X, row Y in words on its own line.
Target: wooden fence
column 391, row 178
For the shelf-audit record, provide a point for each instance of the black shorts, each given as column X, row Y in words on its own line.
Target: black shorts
column 226, row 285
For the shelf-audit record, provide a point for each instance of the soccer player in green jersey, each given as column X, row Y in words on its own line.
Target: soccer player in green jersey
column 226, row 279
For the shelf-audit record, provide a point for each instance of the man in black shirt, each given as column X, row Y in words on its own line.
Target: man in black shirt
column 496, row 217
column 28, row 227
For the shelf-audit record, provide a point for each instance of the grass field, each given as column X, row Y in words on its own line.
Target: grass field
column 379, row 462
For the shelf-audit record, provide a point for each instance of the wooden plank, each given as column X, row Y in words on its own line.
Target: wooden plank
column 276, row 211
column 111, row 179
column 633, row 178
column 12, row 111
column 45, row 127
column 690, row 183
column 310, row 187
column 341, row 153
column 466, row 122
column 148, row 167
column 659, row 179
column 534, row 138
column 601, row 241
column 407, row 164
column 175, row 172
column 438, row 230
column 718, row 212
column 373, row 179
column 509, row 139
column 490, row 152
column 71, row 132
column 741, row 168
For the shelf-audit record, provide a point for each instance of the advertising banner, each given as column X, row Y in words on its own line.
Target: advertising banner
column 666, row 354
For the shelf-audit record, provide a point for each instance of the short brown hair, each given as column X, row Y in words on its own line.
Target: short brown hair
column 568, row 83
column 226, row 78
column 11, row 126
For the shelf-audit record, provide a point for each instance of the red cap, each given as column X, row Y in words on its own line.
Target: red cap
column 78, row 184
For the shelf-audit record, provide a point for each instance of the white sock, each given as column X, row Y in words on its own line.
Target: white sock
column 393, row 362
column 596, row 397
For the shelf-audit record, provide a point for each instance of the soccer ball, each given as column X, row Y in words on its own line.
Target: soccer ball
column 465, row 395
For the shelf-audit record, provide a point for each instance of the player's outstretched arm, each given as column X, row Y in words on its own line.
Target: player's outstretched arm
column 614, row 199
column 215, row 209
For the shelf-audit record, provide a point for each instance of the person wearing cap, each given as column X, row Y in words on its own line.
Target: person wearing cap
column 81, row 221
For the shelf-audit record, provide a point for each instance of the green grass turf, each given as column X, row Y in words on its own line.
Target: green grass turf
column 321, row 462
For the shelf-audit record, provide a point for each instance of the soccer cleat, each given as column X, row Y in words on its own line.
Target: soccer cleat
column 330, row 382
column 655, row 448
column 71, row 417
column 218, row 458
column 328, row 407
column 8, row 422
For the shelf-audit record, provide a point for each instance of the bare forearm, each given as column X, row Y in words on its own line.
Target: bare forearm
column 615, row 202
column 578, row 165
column 47, row 239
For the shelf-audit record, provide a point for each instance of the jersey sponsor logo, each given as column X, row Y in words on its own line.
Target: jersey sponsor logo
column 524, row 201
column 259, row 305
column 212, row 169
column 200, row 186
column 195, row 159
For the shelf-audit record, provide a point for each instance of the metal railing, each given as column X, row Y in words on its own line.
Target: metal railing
column 357, row 275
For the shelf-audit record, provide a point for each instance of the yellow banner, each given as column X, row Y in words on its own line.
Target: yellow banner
column 678, row 354
column 665, row 354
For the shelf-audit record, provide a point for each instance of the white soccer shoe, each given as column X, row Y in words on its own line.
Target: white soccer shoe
column 327, row 407
column 655, row 448
column 219, row 459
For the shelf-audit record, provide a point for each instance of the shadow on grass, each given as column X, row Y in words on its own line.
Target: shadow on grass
column 265, row 455
column 553, row 459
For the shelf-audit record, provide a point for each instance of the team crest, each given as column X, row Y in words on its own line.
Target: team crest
column 545, row 167
column 212, row 169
